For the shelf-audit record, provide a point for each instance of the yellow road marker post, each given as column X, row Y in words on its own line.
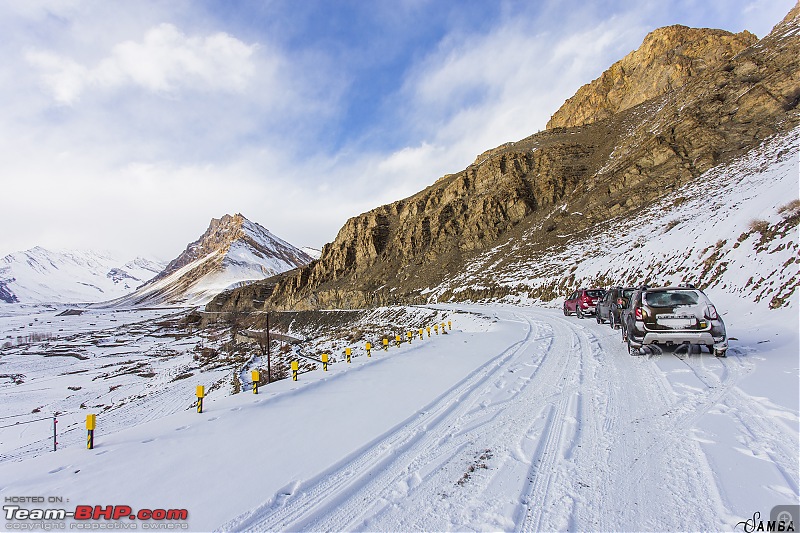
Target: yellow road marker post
column 256, row 377
column 347, row 353
column 325, row 362
column 436, row 328
column 385, row 345
column 397, row 340
column 429, row 331
column 295, row 368
column 450, row 325
column 201, row 392
column 410, row 336
column 369, row 348
column 90, row 424
column 420, row 335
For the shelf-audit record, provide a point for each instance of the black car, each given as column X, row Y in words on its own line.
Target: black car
column 609, row 308
column 673, row 316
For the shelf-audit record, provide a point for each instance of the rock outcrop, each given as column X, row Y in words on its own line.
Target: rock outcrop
column 631, row 150
column 667, row 59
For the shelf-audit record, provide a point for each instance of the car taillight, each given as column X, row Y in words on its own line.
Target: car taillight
column 638, row 313
column 711, row 313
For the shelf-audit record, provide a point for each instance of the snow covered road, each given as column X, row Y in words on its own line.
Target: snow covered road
column 527, row 421
column 562, row 430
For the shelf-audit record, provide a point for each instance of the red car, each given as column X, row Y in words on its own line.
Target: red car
column 583, row 302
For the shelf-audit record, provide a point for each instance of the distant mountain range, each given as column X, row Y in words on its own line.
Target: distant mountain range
column 39, row 275
column 231, row 253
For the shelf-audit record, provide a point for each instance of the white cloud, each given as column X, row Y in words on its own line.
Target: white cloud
column 65, row 78
column 166, row 60
column 475, row 92
column 161, row 127
column 407, row 159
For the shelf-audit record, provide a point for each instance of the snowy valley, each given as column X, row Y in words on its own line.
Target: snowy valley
column 517, row 418
column 418, row 373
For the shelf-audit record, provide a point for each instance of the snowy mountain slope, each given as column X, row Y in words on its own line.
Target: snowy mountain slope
column 232, row 252
column 527, row 421
column 732, row 231
column 71, row 276
column 314, row 253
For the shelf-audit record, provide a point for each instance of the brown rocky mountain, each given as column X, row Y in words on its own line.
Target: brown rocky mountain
column 700, row 98
column 232, row 251
column 224, row 232
column 667, row 59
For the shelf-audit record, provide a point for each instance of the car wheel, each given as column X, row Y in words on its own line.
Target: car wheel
column 720, row 353
column 597, row 317
column 624, row 333
column 611, row 321
column 566, row 313
column 578, row 311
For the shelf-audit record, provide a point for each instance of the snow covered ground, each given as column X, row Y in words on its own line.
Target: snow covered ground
column 517, row 419
column 126, row 366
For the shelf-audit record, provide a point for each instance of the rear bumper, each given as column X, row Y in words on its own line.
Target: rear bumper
column 681, row 337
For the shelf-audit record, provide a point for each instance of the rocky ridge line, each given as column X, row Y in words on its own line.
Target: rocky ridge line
column 559, row 182
column 667, row 59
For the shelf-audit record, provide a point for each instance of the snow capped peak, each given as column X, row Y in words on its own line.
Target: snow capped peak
column 232, row 251
column 221, row 235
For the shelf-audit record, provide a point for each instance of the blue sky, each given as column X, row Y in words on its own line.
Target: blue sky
column 129, row 125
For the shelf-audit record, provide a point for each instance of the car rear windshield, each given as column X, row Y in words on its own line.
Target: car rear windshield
column 595, row 294
column 626, row 293
column 671, row 298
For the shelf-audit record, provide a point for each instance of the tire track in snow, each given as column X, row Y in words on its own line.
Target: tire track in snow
column 614, row 483
column 485, row 438
column 405, row 468
column 550, row 449
column 306, row 505
column 668, row 460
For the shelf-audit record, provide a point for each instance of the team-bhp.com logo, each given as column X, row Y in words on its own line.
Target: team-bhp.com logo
column 87, row 517
column 781, row 518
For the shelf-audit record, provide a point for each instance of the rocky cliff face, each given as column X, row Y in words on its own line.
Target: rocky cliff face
column 667, row 59
column 632, row 149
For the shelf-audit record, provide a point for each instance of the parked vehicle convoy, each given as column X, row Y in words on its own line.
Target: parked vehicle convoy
column 582, row 302
column 672, row 316
column 610, row 306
